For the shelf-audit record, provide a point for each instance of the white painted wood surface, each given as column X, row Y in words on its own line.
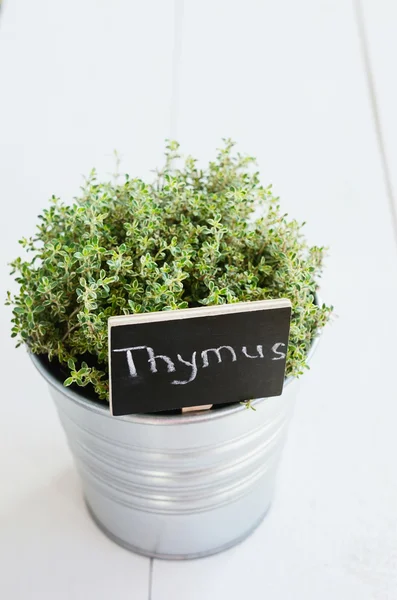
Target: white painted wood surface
column 77, row 79
column 288, row 81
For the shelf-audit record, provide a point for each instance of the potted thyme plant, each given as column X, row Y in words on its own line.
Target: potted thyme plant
column 168, row 485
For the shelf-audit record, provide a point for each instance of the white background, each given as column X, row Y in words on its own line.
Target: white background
column 310, row 88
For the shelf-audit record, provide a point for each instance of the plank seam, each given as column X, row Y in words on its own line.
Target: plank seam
column 362, row 33
column 150, row 579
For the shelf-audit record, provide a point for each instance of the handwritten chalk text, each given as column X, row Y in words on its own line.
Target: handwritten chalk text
column 206, row 358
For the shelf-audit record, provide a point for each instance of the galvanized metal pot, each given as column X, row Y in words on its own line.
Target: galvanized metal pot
column 180, row 486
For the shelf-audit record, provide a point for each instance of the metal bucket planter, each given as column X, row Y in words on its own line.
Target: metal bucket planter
column 180, row 486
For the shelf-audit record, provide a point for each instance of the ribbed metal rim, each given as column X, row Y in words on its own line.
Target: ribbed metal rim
column 181, row 419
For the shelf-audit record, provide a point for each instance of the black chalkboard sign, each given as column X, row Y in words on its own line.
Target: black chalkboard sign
column 210, row 355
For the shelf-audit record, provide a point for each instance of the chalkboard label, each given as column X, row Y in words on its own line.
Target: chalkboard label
column 191, row 357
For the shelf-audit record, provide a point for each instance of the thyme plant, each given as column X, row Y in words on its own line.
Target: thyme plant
column 192, row 237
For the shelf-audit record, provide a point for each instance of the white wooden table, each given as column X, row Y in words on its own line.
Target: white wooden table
column 308, row 87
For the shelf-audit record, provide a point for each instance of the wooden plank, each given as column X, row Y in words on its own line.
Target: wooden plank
column 78, row 79
column 287, row 81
